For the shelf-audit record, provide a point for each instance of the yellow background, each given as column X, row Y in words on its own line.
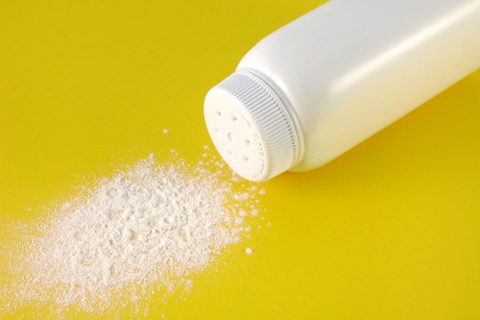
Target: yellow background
column 391, row 230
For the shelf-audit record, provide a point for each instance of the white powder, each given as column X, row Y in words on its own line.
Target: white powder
column 143, row 230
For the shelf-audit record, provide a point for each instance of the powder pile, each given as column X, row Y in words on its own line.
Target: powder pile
column 145, row 229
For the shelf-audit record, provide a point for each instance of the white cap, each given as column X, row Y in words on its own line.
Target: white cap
column 251, row 127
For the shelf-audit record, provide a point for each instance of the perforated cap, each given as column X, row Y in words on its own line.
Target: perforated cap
column 251, row 127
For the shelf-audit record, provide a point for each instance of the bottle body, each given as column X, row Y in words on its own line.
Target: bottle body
column 350, row 68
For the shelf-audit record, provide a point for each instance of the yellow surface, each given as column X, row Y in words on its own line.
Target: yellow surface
column 391, row 230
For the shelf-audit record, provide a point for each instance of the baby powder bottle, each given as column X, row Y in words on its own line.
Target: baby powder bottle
column 332, row 78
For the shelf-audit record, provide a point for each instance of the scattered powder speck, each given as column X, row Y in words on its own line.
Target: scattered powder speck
column 144, row 230
column 241, row 196
column 165, row 131
column 236, row 177
column 249, row 251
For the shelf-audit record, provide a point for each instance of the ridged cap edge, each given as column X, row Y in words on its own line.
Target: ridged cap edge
column 273, row 123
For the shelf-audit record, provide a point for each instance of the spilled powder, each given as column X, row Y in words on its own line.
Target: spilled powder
column 147, row 229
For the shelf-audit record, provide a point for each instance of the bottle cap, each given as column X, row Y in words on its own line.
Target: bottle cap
column 251, row 127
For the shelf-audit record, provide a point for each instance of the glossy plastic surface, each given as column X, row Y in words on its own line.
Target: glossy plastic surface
column 352, row 67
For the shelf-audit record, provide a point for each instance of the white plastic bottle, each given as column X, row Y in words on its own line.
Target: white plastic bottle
column 327, row 81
